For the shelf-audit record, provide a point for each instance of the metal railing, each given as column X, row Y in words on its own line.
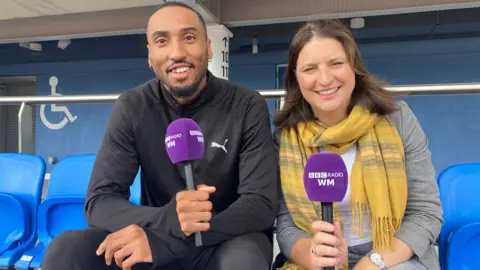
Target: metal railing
column 25, row 121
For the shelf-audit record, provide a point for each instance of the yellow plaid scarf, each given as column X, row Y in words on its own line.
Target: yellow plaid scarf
column 378, row 182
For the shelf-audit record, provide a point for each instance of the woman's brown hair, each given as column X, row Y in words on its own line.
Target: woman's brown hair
column 368, row 91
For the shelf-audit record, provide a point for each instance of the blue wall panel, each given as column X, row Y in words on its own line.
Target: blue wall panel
column 452, row 127
column 259, row 77
column 449, row 121
column 85, row 134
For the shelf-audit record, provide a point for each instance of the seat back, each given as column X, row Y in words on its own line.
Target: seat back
column 21, row 180
column 70, row 179
column 459, row 188
column 73, row 175
column 463, row 248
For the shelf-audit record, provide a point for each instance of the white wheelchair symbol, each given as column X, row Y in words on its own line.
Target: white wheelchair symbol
column 54, row 108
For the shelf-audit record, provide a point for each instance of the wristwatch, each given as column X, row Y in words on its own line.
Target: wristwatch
column 376, row 259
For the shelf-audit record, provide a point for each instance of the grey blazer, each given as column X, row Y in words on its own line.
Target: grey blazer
column 423, row 217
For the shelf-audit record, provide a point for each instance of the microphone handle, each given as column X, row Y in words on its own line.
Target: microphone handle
column 327, row 215
column 191, row 186
column 327, row 212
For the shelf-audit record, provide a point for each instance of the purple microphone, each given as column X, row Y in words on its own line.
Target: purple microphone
column 184, row 144
column 326, row 178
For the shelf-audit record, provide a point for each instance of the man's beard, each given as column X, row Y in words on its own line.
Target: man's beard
column 189, row 90
column 186, row 90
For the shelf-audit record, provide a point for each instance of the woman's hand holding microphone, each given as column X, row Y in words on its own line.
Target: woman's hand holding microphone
column 327, row 249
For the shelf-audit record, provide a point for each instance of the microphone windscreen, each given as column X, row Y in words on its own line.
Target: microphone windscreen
column 325, row 178
column 184, row 141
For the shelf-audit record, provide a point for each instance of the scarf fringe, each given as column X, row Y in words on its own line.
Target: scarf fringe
column 382, row 229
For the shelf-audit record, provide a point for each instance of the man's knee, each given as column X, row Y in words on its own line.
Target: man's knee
column 73, row 247
column 250, row 251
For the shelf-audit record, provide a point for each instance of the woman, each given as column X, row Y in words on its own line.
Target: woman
column 391, row 214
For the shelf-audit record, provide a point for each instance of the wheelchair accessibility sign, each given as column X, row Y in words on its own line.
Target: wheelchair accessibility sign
column 67, row 118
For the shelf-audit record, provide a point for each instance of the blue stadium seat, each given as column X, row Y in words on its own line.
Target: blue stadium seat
column 463, row 248
column 63, row 207
column 21, row 183
column 459, row 190
column 136, row 189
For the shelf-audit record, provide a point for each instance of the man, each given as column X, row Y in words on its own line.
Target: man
column 236, row 200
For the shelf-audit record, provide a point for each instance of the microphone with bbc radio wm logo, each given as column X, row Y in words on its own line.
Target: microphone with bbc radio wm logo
column 184, row 144
column 326, row 179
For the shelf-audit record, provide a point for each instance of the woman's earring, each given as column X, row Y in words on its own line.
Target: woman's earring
column 209, row 59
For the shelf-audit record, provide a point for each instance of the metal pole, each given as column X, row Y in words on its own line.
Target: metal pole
column 411, row 90
column 72, row 99
column 428, row 89
column 25, row 129
column 26, row 143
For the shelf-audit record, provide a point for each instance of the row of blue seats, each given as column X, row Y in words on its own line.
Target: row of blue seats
column 28, row 224
column 459, row 240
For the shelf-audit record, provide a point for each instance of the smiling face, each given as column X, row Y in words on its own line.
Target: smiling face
column 326, row 78
column 178, row 50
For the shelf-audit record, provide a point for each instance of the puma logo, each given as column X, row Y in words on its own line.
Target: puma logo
column 214, row 144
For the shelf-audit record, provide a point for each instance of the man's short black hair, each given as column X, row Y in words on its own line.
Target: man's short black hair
column 180, row 4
